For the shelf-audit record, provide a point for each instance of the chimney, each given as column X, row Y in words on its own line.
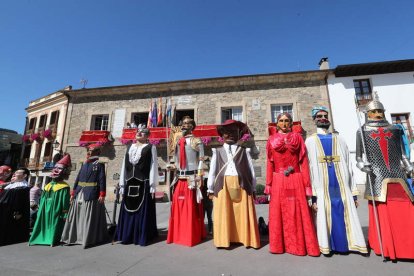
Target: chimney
column 324, row 64
column 67, row 88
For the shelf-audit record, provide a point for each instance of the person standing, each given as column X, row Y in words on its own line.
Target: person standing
column 15, row 209
column 138, row 180
column 386, row 166
column 232, row 182
column 35, row 193
column 86, row 222
column 334, row 189
column 291, row 228
column 186, row 223
column 54, row 206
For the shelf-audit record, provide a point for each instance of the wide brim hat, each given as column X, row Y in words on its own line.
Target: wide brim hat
column 236, row 128
column 95, row 146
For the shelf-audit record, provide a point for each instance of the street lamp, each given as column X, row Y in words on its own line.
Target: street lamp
column 55, row 144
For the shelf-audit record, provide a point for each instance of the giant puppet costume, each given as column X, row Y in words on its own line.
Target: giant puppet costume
column 15, row 209
column 232, row 181
column 86, row 222
column 334, row 189
column 393, row 200
column 53, row 207
column 139, row 177
column 186, row 224
column 291, row 227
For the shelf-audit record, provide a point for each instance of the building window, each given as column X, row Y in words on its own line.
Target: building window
column 404, row 120
column 100, row 122
column 232, row 113
column 32, row 125
column 363, row 91
column 54, row 118
column 179, row 114
column 47, row 155
column 42, row 122
column 277, row 109
column 139, row 118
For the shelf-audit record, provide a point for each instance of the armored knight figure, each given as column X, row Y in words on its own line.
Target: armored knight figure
column 186, row 224
column 386, row 167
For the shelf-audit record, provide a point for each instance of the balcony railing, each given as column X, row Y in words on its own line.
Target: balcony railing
column 40, row 129
column 29, row 131
column 47, row 159
column 33, row 163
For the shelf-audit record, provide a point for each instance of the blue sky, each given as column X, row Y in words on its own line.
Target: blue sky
column 46, row 45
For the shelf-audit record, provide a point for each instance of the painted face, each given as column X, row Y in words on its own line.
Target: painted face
column 18, row 176
column 284, row 124
column 58, row 171
column 229, row 135
column 321, row 119
column 187, row 126
column 92, row 152
column 376, row 115
column 141, row 137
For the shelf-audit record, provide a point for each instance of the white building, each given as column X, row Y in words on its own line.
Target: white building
column 354, row 84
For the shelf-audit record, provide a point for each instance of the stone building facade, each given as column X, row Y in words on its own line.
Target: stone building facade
column 253, row 99
column 43, row 137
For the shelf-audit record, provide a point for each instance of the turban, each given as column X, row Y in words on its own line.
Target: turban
column 318, row 108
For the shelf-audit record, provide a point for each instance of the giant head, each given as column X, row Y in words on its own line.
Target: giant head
column 61, row 170
column 320, row 117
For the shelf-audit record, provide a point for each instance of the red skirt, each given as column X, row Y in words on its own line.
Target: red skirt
column 186, row 225
column 396, row 222
column 291, row 227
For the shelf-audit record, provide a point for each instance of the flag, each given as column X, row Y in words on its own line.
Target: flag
column 168, row 112
column 159, row 120
column 173, row 115
column 149, row 122
column 154, row 115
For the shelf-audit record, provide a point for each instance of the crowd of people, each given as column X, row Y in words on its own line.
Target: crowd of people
column 310, row 185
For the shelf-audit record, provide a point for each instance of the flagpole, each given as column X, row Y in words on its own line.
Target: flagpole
column 168, row 172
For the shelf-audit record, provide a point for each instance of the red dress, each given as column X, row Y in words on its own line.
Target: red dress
column 396, row 223
column 291, row 227
column 186, row 225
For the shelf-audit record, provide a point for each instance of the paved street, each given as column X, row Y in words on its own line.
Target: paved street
column 203, row 259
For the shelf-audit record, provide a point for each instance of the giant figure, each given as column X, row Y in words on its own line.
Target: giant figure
column 86, row 222
column 138, row 180
column 15, row 209
column 186, row 224
column 334, row 189
column 53, row 207
column 291, row 227
column 386, row 166
column 232, row 181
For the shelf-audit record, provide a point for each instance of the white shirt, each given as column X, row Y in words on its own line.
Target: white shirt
column 231, row 167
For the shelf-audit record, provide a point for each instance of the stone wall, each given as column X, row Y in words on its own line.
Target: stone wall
column 255, row 94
